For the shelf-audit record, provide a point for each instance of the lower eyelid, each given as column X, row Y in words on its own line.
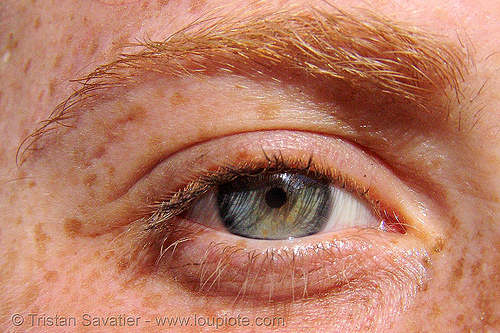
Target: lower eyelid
column 214, row 265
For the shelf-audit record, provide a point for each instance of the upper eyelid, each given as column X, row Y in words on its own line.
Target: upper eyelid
column 382, row 57
column 338, row 171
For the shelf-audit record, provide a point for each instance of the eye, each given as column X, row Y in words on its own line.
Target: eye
column 281, row 206
column 280, row 215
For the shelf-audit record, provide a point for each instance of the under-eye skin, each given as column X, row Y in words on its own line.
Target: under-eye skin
column 279, row 226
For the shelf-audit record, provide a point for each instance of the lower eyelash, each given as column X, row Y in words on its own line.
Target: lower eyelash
column 278, row 272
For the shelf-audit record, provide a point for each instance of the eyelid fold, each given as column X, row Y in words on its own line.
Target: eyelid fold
column 326, row 158
column 210, row 263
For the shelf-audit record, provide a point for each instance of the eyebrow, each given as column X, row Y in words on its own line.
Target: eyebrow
column 362, row 50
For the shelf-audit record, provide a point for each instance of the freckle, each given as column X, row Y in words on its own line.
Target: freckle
column 111, row 300
column 153, row 142
column 72, row 227
column 111, row 171
column 438, row 247
column 41, row 237
column 243, row 156
column 241, row 243
column 435, row 310
column 121, row 41
column 51, row 276
column 31, row 184
column 159, row 93
column 196, row 5
column 457, row 270
column 94, row 46
column 178, row 99
column 89, row 280
column 12, row 43
column 27, row 66
column 163, row 2
column 109, row 255
column 122, row 265
column 454, row 223
column 38, row 23
column 89, row 180
column 268, row 110
column 57, row 61
column 136, row 112
column 152, row 301
column 30, row 294
column 476, row 268
column 52, row 87
column 98, row 152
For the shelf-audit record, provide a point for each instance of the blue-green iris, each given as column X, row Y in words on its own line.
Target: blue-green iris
column 274, row 206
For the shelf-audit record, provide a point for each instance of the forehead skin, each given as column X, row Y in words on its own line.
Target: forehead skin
column 44, row 45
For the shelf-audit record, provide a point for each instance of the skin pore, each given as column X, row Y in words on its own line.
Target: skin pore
column 393, row 101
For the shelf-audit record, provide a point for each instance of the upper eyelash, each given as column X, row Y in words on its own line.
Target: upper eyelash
column 181, row 200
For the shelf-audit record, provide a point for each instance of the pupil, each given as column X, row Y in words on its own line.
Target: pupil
column 276, row 197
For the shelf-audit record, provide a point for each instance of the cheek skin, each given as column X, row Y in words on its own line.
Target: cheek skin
column 464, row 269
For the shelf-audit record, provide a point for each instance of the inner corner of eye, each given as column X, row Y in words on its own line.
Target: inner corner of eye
column 280, row 206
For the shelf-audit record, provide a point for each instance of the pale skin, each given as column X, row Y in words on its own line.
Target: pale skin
column 73, row 236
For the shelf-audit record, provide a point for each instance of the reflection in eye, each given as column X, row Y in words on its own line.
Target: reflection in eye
column 281, row 206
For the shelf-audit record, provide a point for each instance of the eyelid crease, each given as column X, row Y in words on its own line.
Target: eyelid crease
column 363, row 51
column 181, row 200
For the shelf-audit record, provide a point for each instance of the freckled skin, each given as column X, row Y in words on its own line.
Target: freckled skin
column 53, row 262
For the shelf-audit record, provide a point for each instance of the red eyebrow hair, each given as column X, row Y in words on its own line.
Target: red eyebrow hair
column 362, row 51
